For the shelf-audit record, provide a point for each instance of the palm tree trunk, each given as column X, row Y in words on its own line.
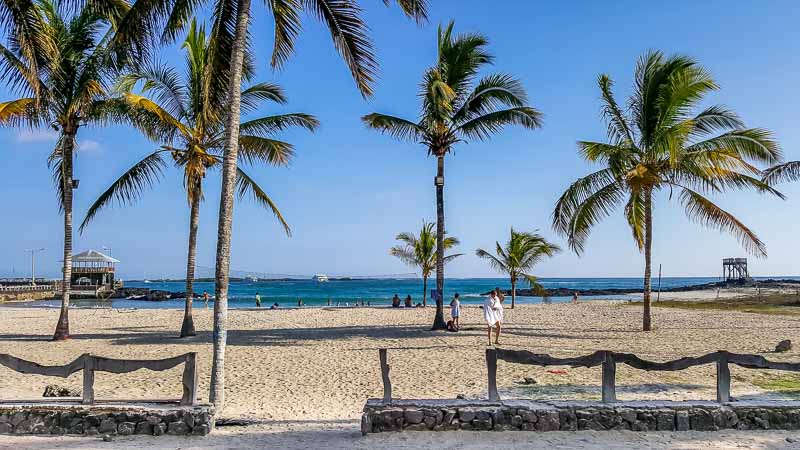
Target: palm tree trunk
column 438, row 321
column 648, row 244
column 217, row 388
column 187, row 328
column 424, row 290
column 67, row 149
column 513, row 291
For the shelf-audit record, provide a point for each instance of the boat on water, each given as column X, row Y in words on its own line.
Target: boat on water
column 252, row 278
column 321, row 278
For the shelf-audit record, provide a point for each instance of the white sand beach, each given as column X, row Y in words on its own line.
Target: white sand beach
column 314, row 368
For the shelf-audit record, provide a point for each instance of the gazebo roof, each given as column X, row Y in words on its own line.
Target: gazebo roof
column 93, row 256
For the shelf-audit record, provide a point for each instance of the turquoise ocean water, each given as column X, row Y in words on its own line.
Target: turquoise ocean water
column 376, row 292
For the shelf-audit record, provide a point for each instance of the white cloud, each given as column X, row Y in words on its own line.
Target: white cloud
column 88, row 145
column 38, row 135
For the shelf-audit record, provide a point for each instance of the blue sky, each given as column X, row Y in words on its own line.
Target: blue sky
column 350, row 190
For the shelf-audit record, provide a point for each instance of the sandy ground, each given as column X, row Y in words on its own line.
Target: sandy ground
column 318, row 366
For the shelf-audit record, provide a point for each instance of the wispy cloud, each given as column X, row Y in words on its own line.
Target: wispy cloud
column 88, row 145
column 39, row 135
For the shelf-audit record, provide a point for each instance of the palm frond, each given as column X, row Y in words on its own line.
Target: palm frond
column 261, row 92
column 619, row 130
column 705, row 212
column 254, row 149
column 269, row 125
column 286, row 19
column 496, row 263
column 414, row 9
column 247, row 186
column 789, row 171
column 349, row 34
column 576, row 194
column 490, row 93
column 129, row 186
column 483, row 127
column 588, row 213
column 398, row 128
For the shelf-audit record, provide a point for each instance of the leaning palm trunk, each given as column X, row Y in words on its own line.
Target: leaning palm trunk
column 438, row 321
column 67, row 148
column 648, row 244
column 187, row 329
column 217, row 389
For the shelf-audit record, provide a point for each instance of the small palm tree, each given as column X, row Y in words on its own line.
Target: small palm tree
column 57, row 60
column 183, row 117
column 520, row 254
column 659, row 143
column 457, row 107
column 420, row 251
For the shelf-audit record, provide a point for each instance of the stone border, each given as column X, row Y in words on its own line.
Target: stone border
column 123, row 420
column 442, row 415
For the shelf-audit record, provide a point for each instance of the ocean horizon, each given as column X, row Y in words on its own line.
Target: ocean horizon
column 379, row 292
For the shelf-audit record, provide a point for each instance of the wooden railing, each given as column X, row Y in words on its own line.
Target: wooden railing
column 91, row 364
column 608, row 360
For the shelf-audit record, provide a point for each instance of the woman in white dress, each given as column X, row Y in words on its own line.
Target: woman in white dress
column 493, row 315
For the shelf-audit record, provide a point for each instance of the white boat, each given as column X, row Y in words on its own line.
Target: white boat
column 252, row 278
column 321, row 278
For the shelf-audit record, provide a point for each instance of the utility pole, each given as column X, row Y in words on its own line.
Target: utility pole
column 33, row 263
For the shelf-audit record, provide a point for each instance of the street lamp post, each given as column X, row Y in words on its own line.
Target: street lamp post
column 33, row 263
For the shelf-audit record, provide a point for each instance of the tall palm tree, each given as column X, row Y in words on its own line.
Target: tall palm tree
column 660, row 142
column 182, row 115
column 420, row 251
column 57, row 61
column 350, row 37
column 458, row 107
column 520, row 254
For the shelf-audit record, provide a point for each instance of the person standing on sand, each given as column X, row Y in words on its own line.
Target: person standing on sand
column 493, row 315
column 299, row 302
column 258, row 300
column 574, row 297
column 455, row 311
column 205, row 298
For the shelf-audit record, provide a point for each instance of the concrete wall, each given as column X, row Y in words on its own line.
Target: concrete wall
column 113, row 420
column 436, row 415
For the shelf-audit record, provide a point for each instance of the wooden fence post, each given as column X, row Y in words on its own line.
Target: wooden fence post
column 491, row 368
column 723, row 378
column 609, row 386
column 88, row 379
column 190, row 380
column 387, row 383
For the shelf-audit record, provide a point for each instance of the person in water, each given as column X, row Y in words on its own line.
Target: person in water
column 258, row 300
column 299, row 302
column 408, row 303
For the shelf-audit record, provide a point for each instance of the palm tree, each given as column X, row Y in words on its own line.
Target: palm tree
column 457, row 107
column 184, row 110
column 658, row 143
column 231, row 21
column 57, row 60
column 420, row 251
column 521, row 252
